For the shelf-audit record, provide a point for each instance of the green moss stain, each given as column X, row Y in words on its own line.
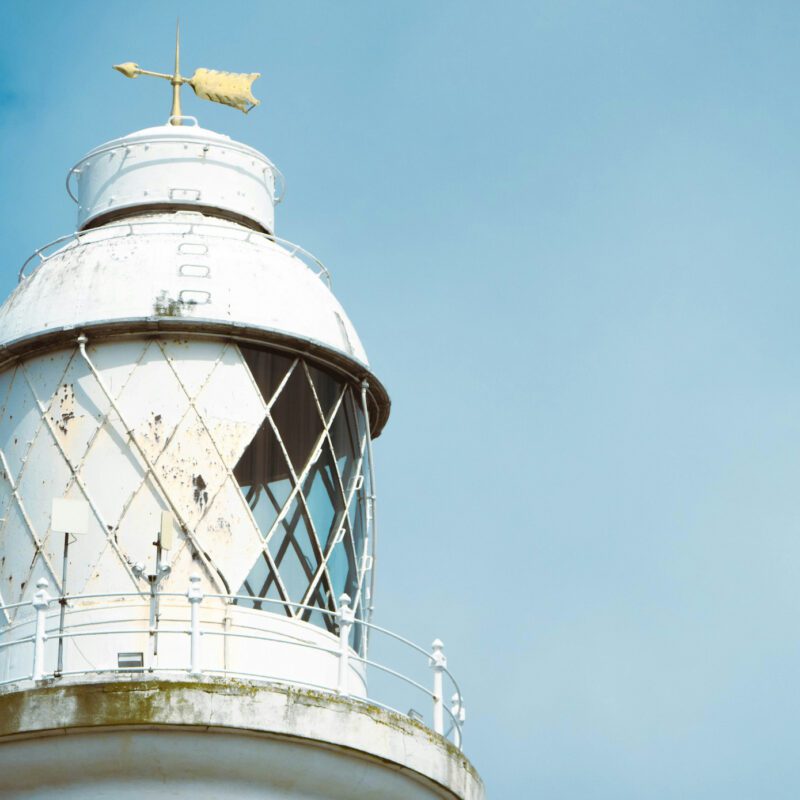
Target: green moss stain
column 165, row 306
column 55, row 706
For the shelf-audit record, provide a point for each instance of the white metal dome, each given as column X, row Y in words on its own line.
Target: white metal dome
column 185, row 272
column 180, row 266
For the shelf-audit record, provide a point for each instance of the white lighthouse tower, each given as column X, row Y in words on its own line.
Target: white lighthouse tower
column 187, row 503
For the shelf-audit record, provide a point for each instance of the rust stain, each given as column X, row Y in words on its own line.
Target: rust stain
column 156, row 427
column 63, row 408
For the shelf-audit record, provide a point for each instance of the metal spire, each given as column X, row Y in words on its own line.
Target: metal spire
column 177, row 81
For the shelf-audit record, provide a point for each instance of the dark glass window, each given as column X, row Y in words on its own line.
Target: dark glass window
column 302, row 477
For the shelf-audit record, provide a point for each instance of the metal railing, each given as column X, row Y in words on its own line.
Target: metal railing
column 197, row 227
column 446, row 720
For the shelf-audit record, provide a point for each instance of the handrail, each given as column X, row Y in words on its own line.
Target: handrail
column 239, row 234
column 195, row 630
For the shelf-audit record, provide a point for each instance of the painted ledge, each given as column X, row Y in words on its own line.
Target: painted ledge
column 215, row 706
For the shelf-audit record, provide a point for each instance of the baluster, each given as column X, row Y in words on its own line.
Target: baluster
column 438, row 662
column 41, row 602
column 195, row 597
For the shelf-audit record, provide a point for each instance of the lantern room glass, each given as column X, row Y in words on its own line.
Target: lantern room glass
column 302, row 476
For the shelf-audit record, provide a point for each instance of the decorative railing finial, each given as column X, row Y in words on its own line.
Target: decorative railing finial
column 229, row 88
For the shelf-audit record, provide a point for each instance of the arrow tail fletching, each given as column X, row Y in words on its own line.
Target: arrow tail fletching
column 229, row 88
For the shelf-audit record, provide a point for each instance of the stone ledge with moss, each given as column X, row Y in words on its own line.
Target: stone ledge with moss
column 157, row 725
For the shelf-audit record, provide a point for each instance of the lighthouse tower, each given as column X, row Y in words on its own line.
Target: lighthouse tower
column 187, row 503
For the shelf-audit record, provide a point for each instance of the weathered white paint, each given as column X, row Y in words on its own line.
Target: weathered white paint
column 60, row 437
column 152, row 738
column 289, row 651
column 169, row 165
column 189, row 408
column 150, row 269
column 161, row 397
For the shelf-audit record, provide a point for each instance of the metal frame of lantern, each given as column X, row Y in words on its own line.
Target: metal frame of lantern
column 349, row 485
column 345, row 487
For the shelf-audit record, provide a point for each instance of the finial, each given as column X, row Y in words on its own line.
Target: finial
column 175, row 114
column 229, row 88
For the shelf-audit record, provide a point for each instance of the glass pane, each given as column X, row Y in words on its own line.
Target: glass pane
column 266, row 502
column 324, row 496
column 281, row 537
column 345, row 440
column 268, row 369
column 298, row 419
column 255, row 584
column 295, row 571
column 326, row 387
column 293, row 552
column 263, row 463
column 341, row 566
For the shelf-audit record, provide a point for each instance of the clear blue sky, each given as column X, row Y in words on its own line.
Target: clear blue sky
column 567, row 233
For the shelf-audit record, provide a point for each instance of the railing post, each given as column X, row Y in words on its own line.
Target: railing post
column 195, row 596
column 345, row 616
column 438, row 662
column 41, row 602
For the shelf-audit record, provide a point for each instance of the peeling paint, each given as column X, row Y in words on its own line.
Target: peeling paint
column 200, row 491
column 62, row 410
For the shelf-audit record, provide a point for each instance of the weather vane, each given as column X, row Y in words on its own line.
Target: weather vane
column 230, row 88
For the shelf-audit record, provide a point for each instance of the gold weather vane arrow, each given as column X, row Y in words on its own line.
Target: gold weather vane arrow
column 229, row 88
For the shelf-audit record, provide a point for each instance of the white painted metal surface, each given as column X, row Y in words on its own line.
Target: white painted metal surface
column 136, row 427
column 192, row 635
column 175, row 165
column 179, row 266
column 191, row 380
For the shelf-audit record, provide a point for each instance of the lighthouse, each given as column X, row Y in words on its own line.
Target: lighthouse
column 188, row 527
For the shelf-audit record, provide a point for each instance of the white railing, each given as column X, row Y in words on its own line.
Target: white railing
column 120, row 230
column 446, row 720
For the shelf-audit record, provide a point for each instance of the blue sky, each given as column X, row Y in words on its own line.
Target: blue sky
column 567, row 234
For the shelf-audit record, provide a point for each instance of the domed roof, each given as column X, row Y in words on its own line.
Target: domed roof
column 184, row 271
